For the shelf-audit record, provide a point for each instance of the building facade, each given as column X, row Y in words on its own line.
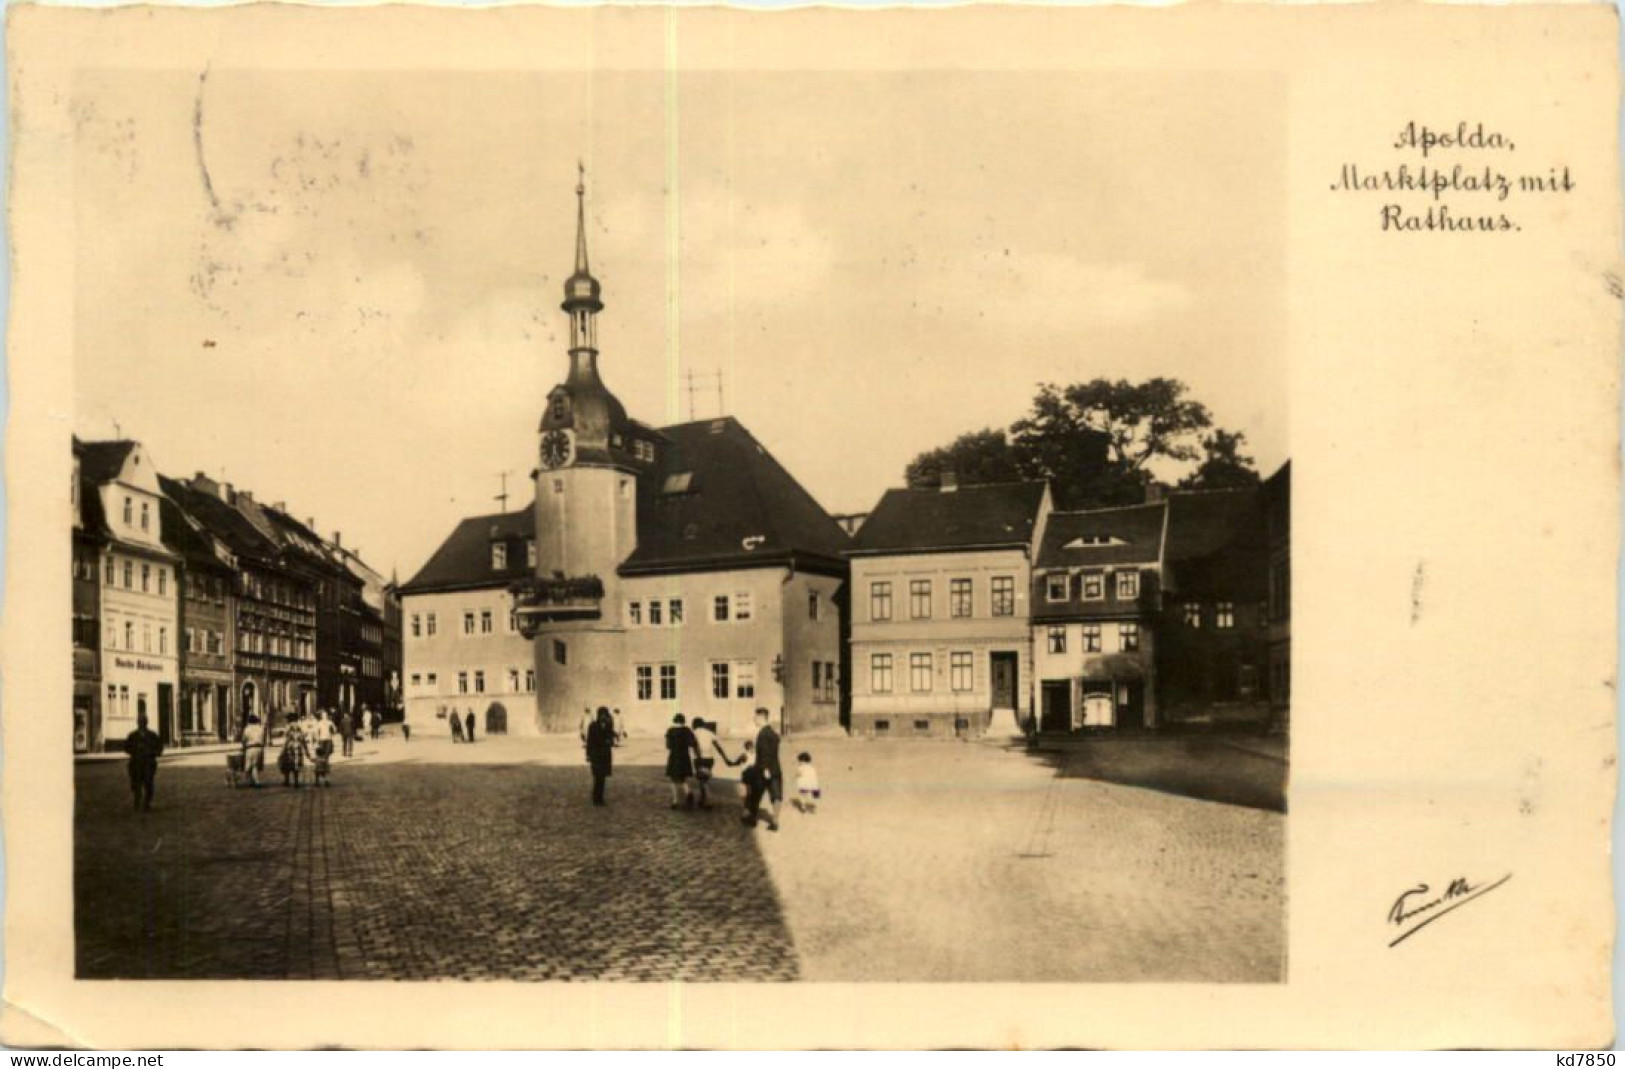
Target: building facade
column 658, row 570
column 208, row 608
column 88, row 545
column 1096, row 597
column 138, row 594
column 941, row 610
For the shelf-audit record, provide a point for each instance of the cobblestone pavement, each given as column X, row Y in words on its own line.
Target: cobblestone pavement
column 927, row 861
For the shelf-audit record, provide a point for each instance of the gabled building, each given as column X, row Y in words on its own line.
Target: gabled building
column 1096, row 598
column 1213, row 640
column 678, row 569
column 941, row 639
column 137, row 602
column 207, row 578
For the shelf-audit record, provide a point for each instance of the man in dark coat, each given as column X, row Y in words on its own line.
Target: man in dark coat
column 347, row 732
column 600, row 752
column 144, row 747
column 769, row 776
column 468, row 726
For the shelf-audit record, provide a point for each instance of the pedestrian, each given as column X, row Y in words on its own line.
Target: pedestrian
column 770, row 777
column 747, row 778
column 406, row 731
column 321, row 735
column 295, row 753
column 144, row 747
column 807, row 790
column 253, row 749
column 377, row 720
column 468, row 725
column 681, row 750
column 347, row 732
column 620, row 726
column 600, row 752
column 456, row 727
column 707, row 746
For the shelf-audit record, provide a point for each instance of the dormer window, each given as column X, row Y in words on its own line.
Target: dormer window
column 499, row 556
column 1094, row 586
column 129, row 511
column 1093, row 540
column 1128, row 586
column 1055, row 587
column 677, row 482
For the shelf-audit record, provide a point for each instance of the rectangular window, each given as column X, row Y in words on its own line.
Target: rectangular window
column 486, row 624
column 129, row 575
column 882, row 727
column 112, row 571
column 144, row 516
column 146, row 638
column 191, row 640
column 1128, row 637
column 919, row 672
column 654, row 613
column 432, row 679
column 959, row 597
column 417, row 679
column 462, row 682
column 499, row 556
column 146, row 575
column 668, row 682
column 129, row 511
column 163, row 640
column 1224, row 614
column 1193, row 614
column 479, row 682
column 634, row 614
column 741, row 606
column 1057, row 587
column 561, row 652
column 1004, row 595
column 922, row 727
column 919, row 599
column 812, row 605
column 429, row 625
column 513, row 681
column 744, row 679
column 674, row 612
column 1128, row 585
column 880, row 601
column 831, row 682
column 417, row 626
column 880, row 673
column 468, row 623
column 961, row 671
column 530, row 681
column 1094, row 586
column 719, row 608
column 1057, row 639
column 721, row 684
column 163, row 580
column 1091, row 638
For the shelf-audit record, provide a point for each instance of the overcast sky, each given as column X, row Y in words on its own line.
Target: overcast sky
column 341, row 290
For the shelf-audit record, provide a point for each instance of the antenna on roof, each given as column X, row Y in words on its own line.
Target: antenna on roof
column 503, row 497
column 709, row 376
column 118, row 432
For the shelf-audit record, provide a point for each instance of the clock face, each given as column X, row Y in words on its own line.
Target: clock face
column 556, row 449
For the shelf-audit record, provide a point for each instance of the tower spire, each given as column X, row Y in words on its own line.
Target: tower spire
column 581, row 219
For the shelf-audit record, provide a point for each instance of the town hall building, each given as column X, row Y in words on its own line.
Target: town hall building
column 665, row 570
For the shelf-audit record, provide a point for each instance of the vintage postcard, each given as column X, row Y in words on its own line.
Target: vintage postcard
column 705, row 527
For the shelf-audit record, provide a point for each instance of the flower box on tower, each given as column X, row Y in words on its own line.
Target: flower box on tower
column 539, row 601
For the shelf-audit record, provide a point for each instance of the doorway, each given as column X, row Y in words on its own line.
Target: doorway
column 496, row 719
column 1003, row 670
column 1055, row 713
column 166, row 713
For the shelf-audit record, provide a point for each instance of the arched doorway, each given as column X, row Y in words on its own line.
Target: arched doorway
column 496, row 719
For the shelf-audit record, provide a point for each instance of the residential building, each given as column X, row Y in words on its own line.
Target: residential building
column 366, row 633
column 88, row 546
column 1278, row 528
column 1095, row 597
column 1213, row 638
column 658, row 571
column 208, row 608
column 941, row 638
column 138, row 592
column 274, row 625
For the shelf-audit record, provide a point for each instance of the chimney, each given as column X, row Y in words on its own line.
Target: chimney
column 950, row 480
column 205, row 485
column 338, row 539
column 227, row 494
column 281, row 506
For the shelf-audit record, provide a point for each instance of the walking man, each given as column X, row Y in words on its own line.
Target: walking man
column 144, row 747
column 769, row 777
column 347, row 732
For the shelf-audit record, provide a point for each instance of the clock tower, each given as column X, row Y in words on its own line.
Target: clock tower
column 586, row 519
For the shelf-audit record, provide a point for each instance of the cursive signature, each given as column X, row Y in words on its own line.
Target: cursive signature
column 1415, row 903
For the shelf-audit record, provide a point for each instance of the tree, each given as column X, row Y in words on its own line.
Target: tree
column 1224, row 466
column 1098, row 443
column 979, row 457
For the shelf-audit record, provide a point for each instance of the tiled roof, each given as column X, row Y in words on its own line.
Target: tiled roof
column 983, row 516
column 737, row 508
column 463, row 561
column 1129, row 535
column 102, row 461
column 220, row 519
